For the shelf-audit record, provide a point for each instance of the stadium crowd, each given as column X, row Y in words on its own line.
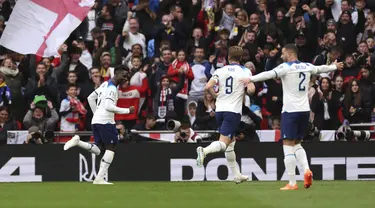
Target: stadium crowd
column 171, row 48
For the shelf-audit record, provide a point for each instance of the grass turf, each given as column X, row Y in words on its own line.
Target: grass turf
column 342, row 194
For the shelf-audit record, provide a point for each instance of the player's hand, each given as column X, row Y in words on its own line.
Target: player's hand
column 352, row 110
column 131, row 109
column 251, row 88
column 49, row 104
column 339, row 65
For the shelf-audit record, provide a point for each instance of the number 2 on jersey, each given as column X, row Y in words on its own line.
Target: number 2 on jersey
column 229, row 85
column 302, row 77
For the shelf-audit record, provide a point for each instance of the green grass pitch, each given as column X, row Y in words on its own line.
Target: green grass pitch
column 335, row 194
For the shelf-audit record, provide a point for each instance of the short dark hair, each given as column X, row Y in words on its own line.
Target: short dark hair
column 235, row 53
column 70, row 85
column 72, row 72
column 291, row 48
column 41, row 63
column 151, row 116
column 120, row 68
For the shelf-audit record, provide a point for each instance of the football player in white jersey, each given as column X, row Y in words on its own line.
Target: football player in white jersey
column 232, row 81
column 103, row 104
column 295, row 78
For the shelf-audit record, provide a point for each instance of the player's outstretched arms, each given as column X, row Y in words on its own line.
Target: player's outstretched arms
column 264, row 76
column 111, row 107
column 92, row 100
column 329, row 68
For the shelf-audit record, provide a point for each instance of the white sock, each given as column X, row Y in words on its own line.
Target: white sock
column 230, row 155
column 290, row 163
column 105, row 163
column 301, row 156
column 216, row 146
column 89, row 147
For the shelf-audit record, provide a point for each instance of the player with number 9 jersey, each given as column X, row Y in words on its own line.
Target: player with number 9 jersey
column 231, row 80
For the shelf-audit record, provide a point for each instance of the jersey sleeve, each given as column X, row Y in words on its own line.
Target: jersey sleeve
column 322, row 69
column 111, row 93
column 280, row 70
column 277, row 72
column 65, row 105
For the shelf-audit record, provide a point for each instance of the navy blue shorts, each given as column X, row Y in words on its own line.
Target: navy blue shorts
column 294, row 125
column 105, row 134
column 228, row 123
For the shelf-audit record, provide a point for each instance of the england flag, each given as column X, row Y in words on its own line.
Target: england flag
column 41, row 26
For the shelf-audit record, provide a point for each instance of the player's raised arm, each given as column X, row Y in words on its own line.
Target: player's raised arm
column 109, row 103
column 328, row 68
column 92, row 100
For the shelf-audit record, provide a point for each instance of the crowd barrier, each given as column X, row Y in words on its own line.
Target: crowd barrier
column 176, row 162
column 18, row 137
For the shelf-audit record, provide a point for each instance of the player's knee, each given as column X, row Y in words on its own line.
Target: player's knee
column 111, row 147
column 230, row 147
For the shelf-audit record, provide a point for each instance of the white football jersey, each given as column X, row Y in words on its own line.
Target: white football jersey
column 231, row 80
column 295, row 78
column 107, row 90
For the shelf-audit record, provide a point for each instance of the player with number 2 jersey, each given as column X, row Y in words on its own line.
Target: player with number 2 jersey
column 295, row 78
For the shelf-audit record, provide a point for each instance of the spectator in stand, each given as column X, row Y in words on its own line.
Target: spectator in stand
column 350, row 70
column 148, row 125
column 274, row 97
column 38, row 116
column 166, row 31
column 108, row 24
column 324, row 107
column 166, row 94
column 199, row 40
column 130, row 96
column 160, row 69
column 366, row 84
column 205, row 115
column 173, row 72
column 72, row 79
column 357, row 106
column 76, row 66
column 15, row 81
column 192, row 113
column 202, row 71
column 71, row 110
column 86, row 57
column 338, row 95
column 132, row 36
column 41, row 85
column 147, row 18
column 136, row 51
column 106, row 70
column 7, row 123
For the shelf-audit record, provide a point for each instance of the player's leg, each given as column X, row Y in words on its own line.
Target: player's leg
column 216, row 146
column 76, row 141
column 300, row 152
column 230, row 155
column 109, row 137
column 288, row 132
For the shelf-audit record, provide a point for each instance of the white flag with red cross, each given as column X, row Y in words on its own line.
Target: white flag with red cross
column 41, row 26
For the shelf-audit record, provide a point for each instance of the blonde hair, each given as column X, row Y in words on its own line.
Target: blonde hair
column 235, row 53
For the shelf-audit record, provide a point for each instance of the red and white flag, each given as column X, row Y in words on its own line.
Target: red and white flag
column 41, row 26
